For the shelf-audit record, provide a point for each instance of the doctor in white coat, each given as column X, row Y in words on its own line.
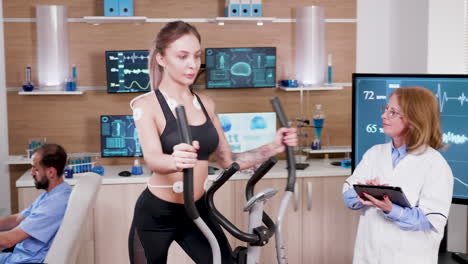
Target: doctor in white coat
column 388, row 233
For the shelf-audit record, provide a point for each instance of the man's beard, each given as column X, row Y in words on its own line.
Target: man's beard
column 43, row 184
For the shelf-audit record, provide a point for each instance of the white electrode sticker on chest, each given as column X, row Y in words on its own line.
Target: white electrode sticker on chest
column 196, row 104
column 137, row 113
column 171, row 103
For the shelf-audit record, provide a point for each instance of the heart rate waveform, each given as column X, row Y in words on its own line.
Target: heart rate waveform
column 127, row 71
column 137, row 84
column 122, row 58
column 444, row 98
column 136, row 71
column 451, row 138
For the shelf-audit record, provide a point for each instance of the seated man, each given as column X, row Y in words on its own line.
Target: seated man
column 33, row 230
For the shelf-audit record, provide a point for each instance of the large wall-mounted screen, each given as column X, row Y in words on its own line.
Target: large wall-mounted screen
column 127, row 71
column 119, row 137
column 240, row 67
column 371, row 92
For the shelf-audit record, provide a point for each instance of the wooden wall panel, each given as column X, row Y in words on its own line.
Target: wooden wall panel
column 76, row 8
column 73, row 121
column 69, row 120
column 20, row 50
column 333, row 8
column 88, row 44
column 180, row 9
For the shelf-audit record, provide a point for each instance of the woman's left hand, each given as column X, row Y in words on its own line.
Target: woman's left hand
column 285, row 136
column 385, row 204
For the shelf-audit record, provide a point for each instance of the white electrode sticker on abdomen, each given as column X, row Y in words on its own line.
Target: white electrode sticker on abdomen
column 137, row 113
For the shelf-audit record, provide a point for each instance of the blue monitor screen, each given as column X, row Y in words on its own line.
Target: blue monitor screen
column 240, row 67
column 119, row 137
column 127, row 71
column 246, row 131
column 371, row 91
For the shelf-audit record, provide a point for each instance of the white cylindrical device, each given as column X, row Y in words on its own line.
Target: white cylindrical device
column 52, row 46
column 310, row 45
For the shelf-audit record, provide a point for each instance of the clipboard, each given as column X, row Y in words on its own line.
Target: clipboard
column 395, row 194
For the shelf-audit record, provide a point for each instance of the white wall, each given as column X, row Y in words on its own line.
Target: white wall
column 409, row 36
column 391, row 36
column 446, row 35
column 5, row 203
column 373, row 37
column 417, row 36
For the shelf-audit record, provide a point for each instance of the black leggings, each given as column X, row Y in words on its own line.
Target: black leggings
column 157, row 223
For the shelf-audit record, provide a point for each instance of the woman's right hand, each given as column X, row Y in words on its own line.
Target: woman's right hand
column 185, row 155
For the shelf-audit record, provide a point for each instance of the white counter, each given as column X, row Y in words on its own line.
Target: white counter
column 317, row 168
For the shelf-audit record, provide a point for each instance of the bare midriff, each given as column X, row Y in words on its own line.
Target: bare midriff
column 200, row 173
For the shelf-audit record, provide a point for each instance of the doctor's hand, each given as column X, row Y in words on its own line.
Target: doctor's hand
column 374, row 181
column 384, row 205
column 185, row 155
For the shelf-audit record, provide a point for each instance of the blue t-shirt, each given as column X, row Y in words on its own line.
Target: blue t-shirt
column 42, row 221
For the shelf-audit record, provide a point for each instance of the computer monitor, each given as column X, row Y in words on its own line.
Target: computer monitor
column 127, row 71
column 246, row 131
column 371, row 91
column 119, row 137
column 240, row 67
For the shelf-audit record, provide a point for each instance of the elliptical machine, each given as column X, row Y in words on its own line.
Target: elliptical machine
column 189, row 203
column 258, row 234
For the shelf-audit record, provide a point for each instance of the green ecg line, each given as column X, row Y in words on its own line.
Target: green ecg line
column 142, row 88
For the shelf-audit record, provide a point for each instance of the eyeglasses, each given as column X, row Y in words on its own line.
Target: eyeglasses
column 390, row 112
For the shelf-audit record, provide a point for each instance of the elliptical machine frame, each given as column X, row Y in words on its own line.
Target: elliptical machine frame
column 258, row 234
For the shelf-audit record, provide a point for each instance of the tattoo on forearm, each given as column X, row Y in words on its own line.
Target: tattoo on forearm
column 255, row 156
column 222, row 155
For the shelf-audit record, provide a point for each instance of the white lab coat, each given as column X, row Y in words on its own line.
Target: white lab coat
column 427, row 181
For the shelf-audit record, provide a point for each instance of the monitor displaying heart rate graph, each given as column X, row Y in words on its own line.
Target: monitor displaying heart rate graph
column 127, row 71
column 372, row 91
column 240, row 67
column 119, row 136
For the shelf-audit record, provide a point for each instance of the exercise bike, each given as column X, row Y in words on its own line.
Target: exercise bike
column 261, row 226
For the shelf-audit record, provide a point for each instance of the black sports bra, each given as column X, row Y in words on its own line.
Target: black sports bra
column 206, row 133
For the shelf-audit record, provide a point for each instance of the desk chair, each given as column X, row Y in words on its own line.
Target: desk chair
column 66, row 244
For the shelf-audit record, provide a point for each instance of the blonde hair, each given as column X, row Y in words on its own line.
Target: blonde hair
column 168, row 34
column 420, row 108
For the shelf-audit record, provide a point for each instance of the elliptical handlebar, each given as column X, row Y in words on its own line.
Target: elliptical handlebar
column 186, row 137
column 223, row 221
column 289, row 150
column 249, row 189
column 258, row 175
column 252, row 238
column 280, row 247
column 189, row 203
